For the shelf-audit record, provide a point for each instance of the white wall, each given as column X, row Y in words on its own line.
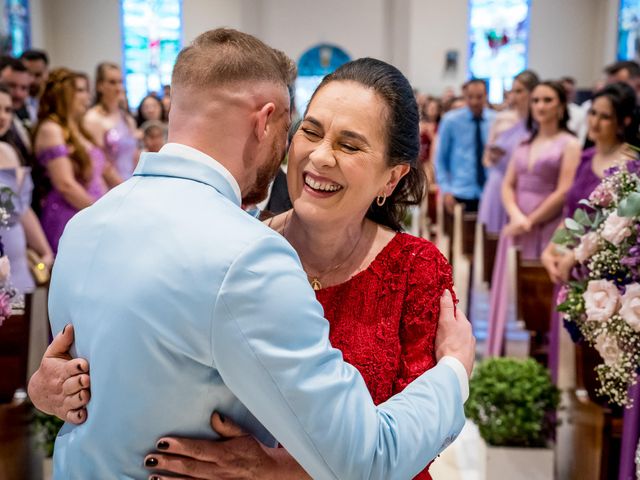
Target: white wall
column 574, row 37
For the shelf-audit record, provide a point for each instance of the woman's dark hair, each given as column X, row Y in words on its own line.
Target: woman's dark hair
column 528, row 78
column 623, row 100
column 140, row 118
column 10, row 136
column 402, row 131
column 562, row 97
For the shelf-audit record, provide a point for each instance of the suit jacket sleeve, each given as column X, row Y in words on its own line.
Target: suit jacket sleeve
column 270, row 345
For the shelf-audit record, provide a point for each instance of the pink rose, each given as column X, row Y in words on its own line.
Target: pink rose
column 5, row 269
column 601, row 300
column 608, row 349
column 563, row 293
column 601, row 196
column 588, row 246
column 5, row 307
column 630, row 309
column 616, row 228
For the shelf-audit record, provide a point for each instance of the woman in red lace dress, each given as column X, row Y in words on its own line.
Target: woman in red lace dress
column 352, row 171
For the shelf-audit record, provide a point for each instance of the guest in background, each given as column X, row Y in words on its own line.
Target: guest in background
column 37, row 62
column 462, row 136
column 150, row 109
column 75, row 166
column 17, row 79
column 154, row 135
column 577, row 115
column 23, row 227
column 452, row 103
column 430, row 114
column 166, row 99
column 626, row 71
column 112, row 127
column 507, row 132
column 536, row 182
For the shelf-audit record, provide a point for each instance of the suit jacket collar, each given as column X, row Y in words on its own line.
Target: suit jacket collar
column 161, row 165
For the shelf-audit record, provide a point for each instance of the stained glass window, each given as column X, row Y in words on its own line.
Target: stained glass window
column 15, row 33
column 313, row 65
column 498, row 40
column 151, row 39
column 629, row 30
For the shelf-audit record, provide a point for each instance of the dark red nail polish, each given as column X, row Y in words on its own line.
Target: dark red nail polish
column 79, row 367
column 64, row 329
column 155, row 478
column 222, row 417
column 163, row 445
column 151, row 462
column 80, row 381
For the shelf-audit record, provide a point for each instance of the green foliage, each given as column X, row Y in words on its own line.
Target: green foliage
column 630, row 206
column 47, row 427
column 512, row 402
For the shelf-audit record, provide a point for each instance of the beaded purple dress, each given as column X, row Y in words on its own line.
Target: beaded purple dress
column 121, row 146
column 533, row 186
column 13, row 237
column 491, row 212
column 56, row 212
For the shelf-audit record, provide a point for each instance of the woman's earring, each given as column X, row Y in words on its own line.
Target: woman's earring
column 380, row 199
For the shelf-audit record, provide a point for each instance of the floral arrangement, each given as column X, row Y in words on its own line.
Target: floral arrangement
column 7, row 292
column 601, row 304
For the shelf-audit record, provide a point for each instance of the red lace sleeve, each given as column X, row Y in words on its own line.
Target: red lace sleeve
column 430, row 275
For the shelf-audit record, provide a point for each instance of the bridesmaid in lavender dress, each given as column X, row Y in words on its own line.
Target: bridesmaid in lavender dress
column 76, row 167
column 499, row 149
column 612, row 122
column 23, row 226
column 112, row 127
column 536, row 182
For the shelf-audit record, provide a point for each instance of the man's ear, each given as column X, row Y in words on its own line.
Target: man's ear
column 263, row 118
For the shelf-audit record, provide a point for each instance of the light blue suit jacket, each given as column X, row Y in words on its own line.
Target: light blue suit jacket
column 184, row 304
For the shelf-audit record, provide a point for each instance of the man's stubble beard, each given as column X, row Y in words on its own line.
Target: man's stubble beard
column 265, row 175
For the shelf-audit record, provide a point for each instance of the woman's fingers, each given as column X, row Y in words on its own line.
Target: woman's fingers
column 75, row 384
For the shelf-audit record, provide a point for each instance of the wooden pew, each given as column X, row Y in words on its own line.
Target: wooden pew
column 534, row 294
column 489, row 249
column 14, row 352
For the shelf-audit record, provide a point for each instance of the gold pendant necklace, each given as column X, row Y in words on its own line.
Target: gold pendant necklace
column 314, row 280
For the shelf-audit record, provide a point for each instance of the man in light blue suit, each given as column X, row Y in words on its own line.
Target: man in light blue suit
column 183, row 304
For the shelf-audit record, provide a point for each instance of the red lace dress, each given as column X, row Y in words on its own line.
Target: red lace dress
column 384, row 319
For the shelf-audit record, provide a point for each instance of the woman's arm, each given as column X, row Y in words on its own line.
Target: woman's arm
column 518, row 221
column 36, row 238
column 111, row 176
column 237, row 455
column 60, row 169
column 553, row 204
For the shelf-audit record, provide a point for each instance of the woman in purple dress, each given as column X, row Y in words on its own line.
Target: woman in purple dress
column 538, row 177
column 76, row 167
column 23, row 227
column 612, row 123
column 112, row 127
column 500, row 147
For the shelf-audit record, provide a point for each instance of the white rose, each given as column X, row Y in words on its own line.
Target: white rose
column 601, row 300
column 588, row 246
column 5, row 269
column 630, row 309
column 608, row 349
column 616, row 228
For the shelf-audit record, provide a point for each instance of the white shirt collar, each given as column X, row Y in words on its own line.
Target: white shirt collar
column 190, row 153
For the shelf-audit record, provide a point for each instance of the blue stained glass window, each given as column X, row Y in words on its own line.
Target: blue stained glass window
column 313, row 65
column 498, row 41
column 151, row 40
column 15, row 32
column 629, row 30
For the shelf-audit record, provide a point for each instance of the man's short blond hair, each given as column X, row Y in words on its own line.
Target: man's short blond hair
column 225, row 56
